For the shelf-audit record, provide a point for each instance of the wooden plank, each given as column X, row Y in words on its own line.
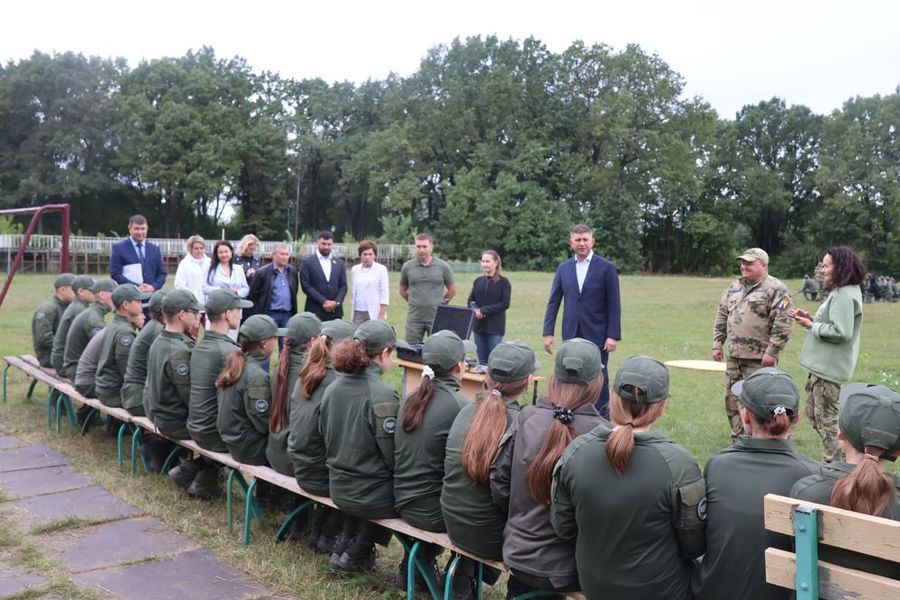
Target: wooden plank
column 835, row 582
column 840, row 528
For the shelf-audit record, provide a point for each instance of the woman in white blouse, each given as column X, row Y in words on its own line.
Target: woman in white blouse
column 192, row 269
column 223, row 273
column 370, row 285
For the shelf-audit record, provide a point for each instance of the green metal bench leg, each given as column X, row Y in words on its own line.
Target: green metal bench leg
column 165, row 467
column 73, row 420
column 806, row 534
column 412, row 563
column 479, row 580
column 249, row 503
column 5, row 369
column 120, row 444
column 50, row 408
column 282, row 531
column 137, row 438
column 86, row 424
column 448, row 577
column 30, row 387
column 63, row 400
column 233, row 476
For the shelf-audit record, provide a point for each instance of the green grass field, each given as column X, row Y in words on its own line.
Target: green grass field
column 664, row 317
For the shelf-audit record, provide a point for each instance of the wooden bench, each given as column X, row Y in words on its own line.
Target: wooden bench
column 813, row 524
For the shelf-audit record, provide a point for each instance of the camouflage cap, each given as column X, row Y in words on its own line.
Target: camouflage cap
column 303, row 327
column 647, row 377
column 578, row 361
column 444, row 349
column 83, row 282
column 63, row 280
column 337, row 329
column 755, row 254
column 511, row 361
column 375, row 335
column 180, row 299
column 104, row 285
column 127, row 292
column 259, row 327
column 766, row 391
column 156, row 301
column 219, row 301
column 870, row 416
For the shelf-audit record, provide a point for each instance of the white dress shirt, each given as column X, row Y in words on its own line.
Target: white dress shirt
column 325, row 262
column 581, row 269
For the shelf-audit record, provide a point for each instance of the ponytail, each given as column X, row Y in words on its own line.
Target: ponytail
column 417, row 403
column 628, row 415
column 488, row 424
column 566, row 398
column 776, row 425
column 867, row 489
column 234, row 365
column 278, row 410
column 350, row 356
column 313, row 371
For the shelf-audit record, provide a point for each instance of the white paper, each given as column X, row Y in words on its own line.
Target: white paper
column 133, row 273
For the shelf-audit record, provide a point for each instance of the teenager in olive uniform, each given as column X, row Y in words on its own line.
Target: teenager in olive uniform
column 522, row 470
column 869, row 436
column 136, row 370
column 474, row 522
column 86, row 369
column 46, row 318
column 631, row 500
column 305, row 445
column 424, row 420
column 763, row 461
column 87, row 324
column 358, row 417
column 117, row 343
column 82, row 286
column 244, row 391
column 299, row 331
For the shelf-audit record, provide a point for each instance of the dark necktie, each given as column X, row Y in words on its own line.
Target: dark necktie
column 140, row 252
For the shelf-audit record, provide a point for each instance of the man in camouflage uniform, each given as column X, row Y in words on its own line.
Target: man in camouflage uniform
column 753, row 319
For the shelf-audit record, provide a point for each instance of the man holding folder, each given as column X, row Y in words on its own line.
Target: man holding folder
column 135, row 260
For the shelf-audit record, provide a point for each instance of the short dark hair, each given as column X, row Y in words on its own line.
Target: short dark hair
column 579, row 229
column 424, row 236
column 848, row 268
column 137, row 220
column 325, row 235
column 367, row 245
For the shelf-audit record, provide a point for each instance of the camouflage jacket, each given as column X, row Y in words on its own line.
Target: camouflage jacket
column 755, row 321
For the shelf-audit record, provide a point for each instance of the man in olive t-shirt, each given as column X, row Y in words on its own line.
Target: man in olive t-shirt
column 423, row 281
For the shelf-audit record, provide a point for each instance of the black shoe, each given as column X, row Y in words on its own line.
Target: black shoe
column 341, row 543
column 463, row 588
column 324, row 544
column 358, row 558
column 154, row 464
column 185, row 473
column 205, row 485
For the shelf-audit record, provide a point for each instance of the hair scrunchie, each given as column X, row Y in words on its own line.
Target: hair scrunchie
column 427, row 372
column 562, row 414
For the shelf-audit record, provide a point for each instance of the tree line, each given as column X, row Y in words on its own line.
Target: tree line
column 490, row 143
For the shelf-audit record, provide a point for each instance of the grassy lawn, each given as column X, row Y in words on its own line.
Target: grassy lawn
column 665, row 317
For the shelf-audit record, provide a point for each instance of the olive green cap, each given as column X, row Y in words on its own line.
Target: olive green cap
column 870, row 416
column 63, row 280
column 156, row 301
column 219, row 301
column 180, row 299
column 443, row 350
column 83, row 282
column 645, row 374
column 511, row 361
column 303, row 327
column 755, row 254
column 126, row 293
column 766, row 391
column 376, row 335
column 104, row 285
column 337, row 329
column 578, row 361
column 259, row 327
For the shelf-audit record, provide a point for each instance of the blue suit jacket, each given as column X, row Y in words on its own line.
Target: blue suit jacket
column 595, row 312
column 154, row 269
column 318, row 289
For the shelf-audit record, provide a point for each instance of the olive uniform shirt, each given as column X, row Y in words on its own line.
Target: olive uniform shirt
column 117, row 343
column 44, row 324
column 207, row 360
column 86, row 370
column 817, row 488
column 358, row 416
column 277, row 445
column 753, row 319
column 473, row 521
column 58, row 353
column 641, row 529
column 737, row 478
column 419, row 456
column 133, row 387
column 85, row 326
column 243, row 420
column 426, row 285
column 306, row 446
column 168, row 388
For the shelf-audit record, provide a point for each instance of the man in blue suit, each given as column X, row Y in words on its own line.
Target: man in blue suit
column 590, row 286
column 324, row 280
column 135, row 260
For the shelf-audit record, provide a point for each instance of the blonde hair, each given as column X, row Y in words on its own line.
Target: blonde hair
column 246, row 241
column 194, row 239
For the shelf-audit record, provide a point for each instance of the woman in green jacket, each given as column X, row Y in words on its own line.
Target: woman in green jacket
column 831, row 346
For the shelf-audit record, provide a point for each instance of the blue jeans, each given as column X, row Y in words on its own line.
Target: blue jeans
column 485, row 344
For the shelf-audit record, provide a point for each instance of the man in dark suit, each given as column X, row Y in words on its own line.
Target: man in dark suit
column 274, row 288
column 135, row 260
column 324, row 280
column 590, row 286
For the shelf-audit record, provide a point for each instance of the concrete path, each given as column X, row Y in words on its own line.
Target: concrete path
column 127, row 556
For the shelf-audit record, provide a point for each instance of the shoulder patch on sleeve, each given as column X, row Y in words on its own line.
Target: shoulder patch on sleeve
column 386, row 409
column 261, row 405
column 389, row 425
column 40, row 314
column 183, row 368
column 95, row 331
column 126, row 340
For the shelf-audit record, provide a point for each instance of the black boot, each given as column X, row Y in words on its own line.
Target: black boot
column 185, row 473
column 341, row 543
column 427, row 554
column 205, row 485
column 358, row 558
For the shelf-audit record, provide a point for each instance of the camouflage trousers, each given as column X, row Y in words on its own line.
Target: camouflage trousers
column 822, row 412
column 737, row 369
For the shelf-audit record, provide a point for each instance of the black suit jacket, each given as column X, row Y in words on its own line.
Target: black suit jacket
column 261, row 289
column 318, row 289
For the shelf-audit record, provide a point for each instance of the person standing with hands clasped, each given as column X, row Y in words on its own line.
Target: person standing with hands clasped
column 370, row 288
column 831, row 346
column 423, row 281
column 490, row 298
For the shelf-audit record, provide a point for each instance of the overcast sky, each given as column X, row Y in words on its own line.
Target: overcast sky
column 730, row 53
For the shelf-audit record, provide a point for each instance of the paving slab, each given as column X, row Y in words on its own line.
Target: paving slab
column 30, row 457
column 196, row 571
column 8, row 441
column 111, row 544
column 15, row 580
column 92, row 502
column 47, row 480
